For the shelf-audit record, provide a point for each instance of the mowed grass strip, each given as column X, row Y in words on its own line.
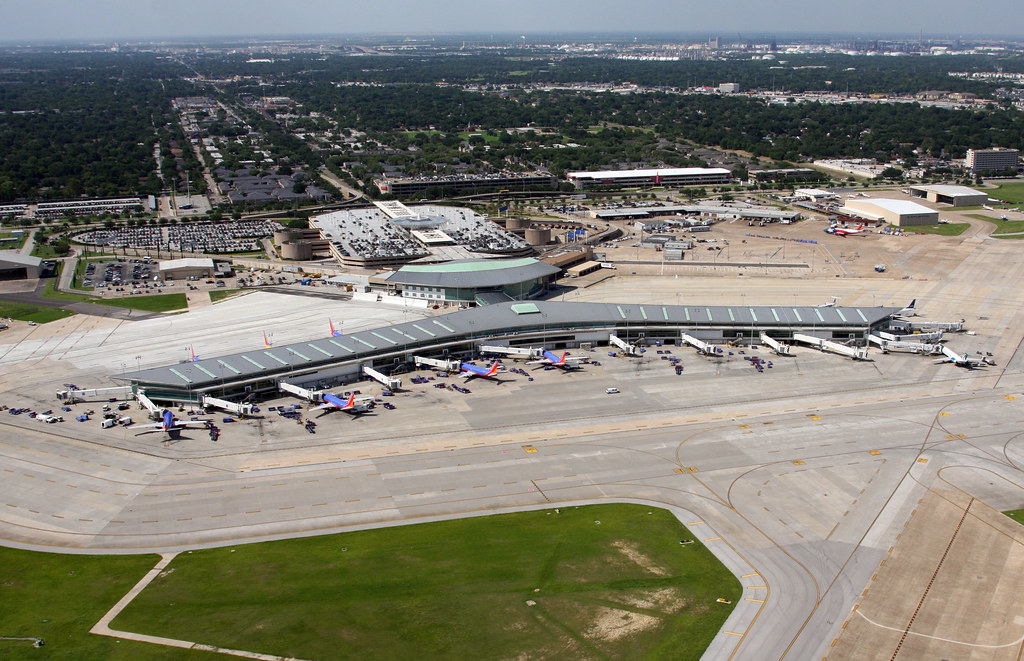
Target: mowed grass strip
column 60, row 597
column 30, row 312
column 623, row 588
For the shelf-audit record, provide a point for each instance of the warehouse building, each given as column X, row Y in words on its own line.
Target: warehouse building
column 652, row 177
column 181, row 269
column 958, row 196
column 901, row 213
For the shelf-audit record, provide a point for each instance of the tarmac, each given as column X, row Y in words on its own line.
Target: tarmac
column 833, row 489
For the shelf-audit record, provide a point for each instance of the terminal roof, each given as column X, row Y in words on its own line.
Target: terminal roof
column 491, row 320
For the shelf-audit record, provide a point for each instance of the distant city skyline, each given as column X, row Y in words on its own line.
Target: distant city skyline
column 108, row 20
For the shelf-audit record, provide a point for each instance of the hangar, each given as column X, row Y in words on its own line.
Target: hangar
column 15, row 266
column 958, row 196
column 324, row 363
column 900, row 213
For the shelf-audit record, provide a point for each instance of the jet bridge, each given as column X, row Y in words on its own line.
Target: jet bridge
column 155, row 412
column 388, row 382
column 855, row 353
column 512, row 352
column 443, row 365
column 703, row 347
column 625, row 347
column 299, row 391
column 72, row 396
column 238, row 408
column 776, row 346
column 922, row 348
column 904, row 326
column 915, row 337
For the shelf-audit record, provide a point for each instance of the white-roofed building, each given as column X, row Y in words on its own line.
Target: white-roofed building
column 201, row 267
column 901, row 213
column 958, row 196
column 652, row 177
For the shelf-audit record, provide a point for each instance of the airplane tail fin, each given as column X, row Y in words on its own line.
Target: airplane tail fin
column 493, row 370
column 266, row 342
column 351, row 401
column 331, row 323
column 912, row 304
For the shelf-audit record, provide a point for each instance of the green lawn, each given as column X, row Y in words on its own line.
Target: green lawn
column 220, row 294
column 1002, row 226
column 1011, row 192
column 148, row 303
column 950, row 229
column 1016, row 515
column 608, row 582
column 60, row 597
column 29, row 312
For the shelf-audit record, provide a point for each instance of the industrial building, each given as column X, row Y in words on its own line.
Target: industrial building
column 958, row 196
column 462, row 184
column 786, row 174
column 477, row 281
column 181, row 269
column 337, row 360
column 901, row 213
column 652, row 177
column 996, row 159
column 15, row 266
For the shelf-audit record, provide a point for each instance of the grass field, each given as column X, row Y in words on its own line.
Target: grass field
column 29, row 312
column 1016, row 515
column 60, row 597
column 950, row 229
column 1012, row 193
column 1002, row 226
column 606, row 582
column 217, row 295
column 151, row 303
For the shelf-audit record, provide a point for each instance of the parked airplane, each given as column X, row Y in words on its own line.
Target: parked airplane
column 964, row 360
column 334, row 333
column 470, row 371
column 169, row 424
column 909, row 311
column 334, row 402
column 830, row 304
column 842, row 231
column 564, row 362
column 985, row 206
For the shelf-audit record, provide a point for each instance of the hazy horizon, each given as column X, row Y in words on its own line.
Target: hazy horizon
column 192, row 20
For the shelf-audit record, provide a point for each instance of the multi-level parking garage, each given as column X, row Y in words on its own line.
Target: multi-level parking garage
column 551, row 324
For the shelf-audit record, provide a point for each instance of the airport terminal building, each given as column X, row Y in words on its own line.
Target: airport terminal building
column 479, row 281
column 337, row 360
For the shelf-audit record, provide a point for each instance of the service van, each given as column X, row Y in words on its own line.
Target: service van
column 611, row 391
column 107, row 423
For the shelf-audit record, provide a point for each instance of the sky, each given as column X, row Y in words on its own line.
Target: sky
column 75, row 20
